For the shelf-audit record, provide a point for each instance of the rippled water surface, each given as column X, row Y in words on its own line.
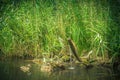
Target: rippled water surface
column 10, row 70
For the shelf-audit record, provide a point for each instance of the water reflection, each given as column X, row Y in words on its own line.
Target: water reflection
column 11, row 71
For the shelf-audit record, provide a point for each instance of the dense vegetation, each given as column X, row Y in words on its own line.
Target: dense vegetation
column 37, row 27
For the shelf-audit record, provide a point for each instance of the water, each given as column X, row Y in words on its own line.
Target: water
column 10, row 70
column 71, row 65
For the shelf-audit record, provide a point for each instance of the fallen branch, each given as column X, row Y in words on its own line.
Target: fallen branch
column 73, row 48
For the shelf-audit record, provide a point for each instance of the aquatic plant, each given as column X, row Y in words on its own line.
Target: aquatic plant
column 34, row 27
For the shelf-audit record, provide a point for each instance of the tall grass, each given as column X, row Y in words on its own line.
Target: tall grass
column 35, row 27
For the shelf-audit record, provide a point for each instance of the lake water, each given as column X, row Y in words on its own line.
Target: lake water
column 10, row 70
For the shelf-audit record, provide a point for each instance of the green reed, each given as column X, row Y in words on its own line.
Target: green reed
column 35, row 27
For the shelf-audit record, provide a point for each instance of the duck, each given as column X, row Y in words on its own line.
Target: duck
column 46, row 68
column 25, row 68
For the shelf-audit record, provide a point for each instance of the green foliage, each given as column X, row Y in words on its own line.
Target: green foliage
column 6, row 40
column 37, row 26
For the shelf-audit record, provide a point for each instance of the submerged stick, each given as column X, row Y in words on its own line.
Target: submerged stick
column 73, row 48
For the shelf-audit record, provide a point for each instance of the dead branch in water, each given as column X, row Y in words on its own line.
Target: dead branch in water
column 73, row 48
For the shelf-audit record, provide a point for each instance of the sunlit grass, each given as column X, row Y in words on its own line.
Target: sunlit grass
column 38, row 26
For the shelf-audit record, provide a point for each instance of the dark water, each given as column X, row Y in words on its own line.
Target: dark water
column 10, row 70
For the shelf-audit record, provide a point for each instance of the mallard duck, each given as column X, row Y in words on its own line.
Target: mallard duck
column 25, row 68
column 46, row 68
